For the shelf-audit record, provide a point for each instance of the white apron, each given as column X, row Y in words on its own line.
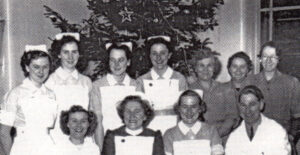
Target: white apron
column 33, row 137
column 163, row 95
column 110, row 97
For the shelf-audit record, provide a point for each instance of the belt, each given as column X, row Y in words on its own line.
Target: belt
column 164, row 112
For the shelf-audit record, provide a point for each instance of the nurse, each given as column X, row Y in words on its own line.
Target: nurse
column 30, row 108
column 191, row 135
column 162, row 84
column 133, row 138
column 78, row 123
column 112, row 88
column 69, row 86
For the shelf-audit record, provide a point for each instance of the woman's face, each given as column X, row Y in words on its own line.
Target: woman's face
column 38, row 69
column 134, row 115
column 118, row 61
column 78, row 124
column 159, row 55
column 189, row 109
column 69, row 55
column 269, row 59
column 238, row 69
column 205, row 68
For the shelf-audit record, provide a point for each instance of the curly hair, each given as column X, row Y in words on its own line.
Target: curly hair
column 64, row 119
column 32, row 55
column 192, row 94
column 217, row 64
column 56, row 49
column 149, row 113
column 243, row 56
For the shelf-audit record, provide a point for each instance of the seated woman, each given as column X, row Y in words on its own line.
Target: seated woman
column 78, row 123
column 191, row 132
column 136, row 115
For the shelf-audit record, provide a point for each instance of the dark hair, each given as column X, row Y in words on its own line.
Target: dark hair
column 151, row 42
column 149, row 113
column 120, row 47
column 243, row 56
column 32, row 55
column 269, row 44
column 64, row 119
column 58, row 44
column 191, row 93
column 251, row 89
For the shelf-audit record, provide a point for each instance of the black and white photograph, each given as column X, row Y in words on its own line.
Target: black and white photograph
column 149, row 77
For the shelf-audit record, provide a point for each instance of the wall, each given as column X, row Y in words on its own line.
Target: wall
column 26, row 24
column 237, row 31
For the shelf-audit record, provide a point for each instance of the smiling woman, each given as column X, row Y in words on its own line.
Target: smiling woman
column 19, row 108
column 78, row 123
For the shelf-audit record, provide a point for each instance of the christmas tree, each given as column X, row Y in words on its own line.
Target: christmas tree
column 135, row 20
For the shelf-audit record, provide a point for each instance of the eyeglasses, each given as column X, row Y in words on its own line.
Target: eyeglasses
column 273, row 58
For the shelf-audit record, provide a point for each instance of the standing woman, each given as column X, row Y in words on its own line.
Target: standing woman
column 112, row 88
column 220, row 113
column 69, row 86
column 30, row 108
column 162, row 84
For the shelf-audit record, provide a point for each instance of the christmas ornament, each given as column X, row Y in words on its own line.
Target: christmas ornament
column 126, row 15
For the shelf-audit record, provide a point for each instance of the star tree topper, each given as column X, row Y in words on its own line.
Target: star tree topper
column 126, row 15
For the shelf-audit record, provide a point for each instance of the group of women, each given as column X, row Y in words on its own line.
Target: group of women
column 65, row 113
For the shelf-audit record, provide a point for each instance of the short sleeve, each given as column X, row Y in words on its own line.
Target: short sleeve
column 140, row 84
column 8, row 112
column 182, row 83
column 168, row 142
column 95, row 100
column 215, row 138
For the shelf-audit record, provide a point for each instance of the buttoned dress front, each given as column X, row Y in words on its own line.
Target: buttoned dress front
column 70, row 89
column 32, row 111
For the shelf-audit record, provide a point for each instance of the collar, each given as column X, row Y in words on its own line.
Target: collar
column 27, row 83
column 112, row 81
column 167, row 75
column 276, row 75
column 65, row 75
column 185, row 129
column 134, row 132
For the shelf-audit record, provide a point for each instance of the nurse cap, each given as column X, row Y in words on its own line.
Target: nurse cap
column 75, row 35
column 41, row 47
column 128, row 44
column 166, row 38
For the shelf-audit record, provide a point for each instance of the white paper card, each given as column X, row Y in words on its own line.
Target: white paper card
column 134, row 145
column 163, row 93
column 192, row 147
column 110, row 97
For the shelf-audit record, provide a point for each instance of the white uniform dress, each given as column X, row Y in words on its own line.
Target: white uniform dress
column 66, row 147
column 270, row 139
column 32, row 111
column 70, row 89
